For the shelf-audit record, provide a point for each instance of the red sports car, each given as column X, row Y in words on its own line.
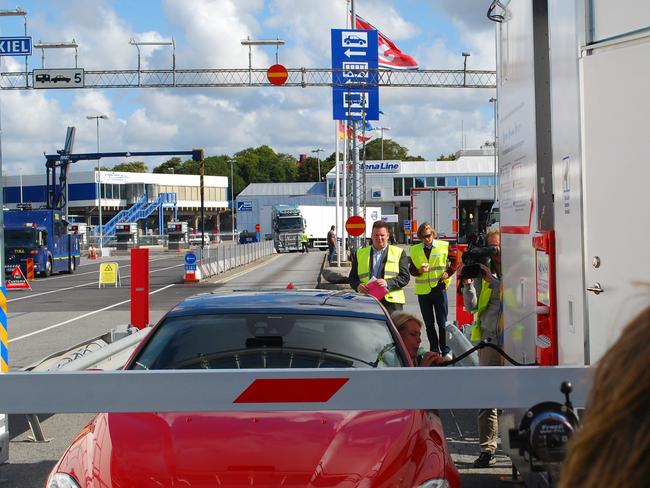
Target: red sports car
column 301, row 329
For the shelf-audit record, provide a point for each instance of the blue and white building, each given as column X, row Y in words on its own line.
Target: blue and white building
column 121, row 190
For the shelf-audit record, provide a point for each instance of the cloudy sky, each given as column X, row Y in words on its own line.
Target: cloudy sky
column 207, row 34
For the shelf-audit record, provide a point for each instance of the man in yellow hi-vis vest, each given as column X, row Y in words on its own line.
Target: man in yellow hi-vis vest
column 432, row 264
column 387, row 265
column 483, row 297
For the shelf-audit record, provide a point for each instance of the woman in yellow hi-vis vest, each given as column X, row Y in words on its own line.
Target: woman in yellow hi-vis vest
column 483, row 297
column 387, row 265
column 432, row 264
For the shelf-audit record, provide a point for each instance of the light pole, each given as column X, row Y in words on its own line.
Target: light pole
column 465, row 56
column 260, row 42
column 99, row 180
column 493, row 101
column 318, row 151
column 382, row 129
column 232, row 197
column 171, row 43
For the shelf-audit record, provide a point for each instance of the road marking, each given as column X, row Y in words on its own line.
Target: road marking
column 52, row 278
column 83, row 316
column 241, row 273
column 84, row 284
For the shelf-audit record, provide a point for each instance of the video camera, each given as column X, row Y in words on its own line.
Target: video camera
column 473, row 258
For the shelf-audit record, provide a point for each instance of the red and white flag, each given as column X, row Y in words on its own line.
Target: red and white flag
column 390, row 56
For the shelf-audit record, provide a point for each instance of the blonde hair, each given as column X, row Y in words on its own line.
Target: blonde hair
column 423, row 226
column 400, row 319
column 611, row 448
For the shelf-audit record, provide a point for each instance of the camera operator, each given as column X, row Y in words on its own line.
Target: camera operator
column 483, row 297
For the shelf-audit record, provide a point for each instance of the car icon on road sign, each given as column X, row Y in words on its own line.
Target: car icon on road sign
column 354, row 39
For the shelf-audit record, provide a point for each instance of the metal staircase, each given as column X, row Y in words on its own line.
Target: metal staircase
column 140, row 210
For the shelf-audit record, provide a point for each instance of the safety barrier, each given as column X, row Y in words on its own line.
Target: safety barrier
column 219, row 259
column 293, row 389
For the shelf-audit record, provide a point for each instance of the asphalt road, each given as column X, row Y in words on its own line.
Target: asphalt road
column 65, row 310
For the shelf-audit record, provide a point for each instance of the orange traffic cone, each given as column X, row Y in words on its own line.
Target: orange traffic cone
column 92, row 254
column 290, row 286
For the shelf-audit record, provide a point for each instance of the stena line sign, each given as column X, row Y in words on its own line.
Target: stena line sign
column 381, row 166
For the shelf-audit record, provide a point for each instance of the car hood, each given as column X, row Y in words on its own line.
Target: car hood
column 342, row 448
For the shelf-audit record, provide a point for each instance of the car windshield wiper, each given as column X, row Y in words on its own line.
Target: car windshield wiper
column 237, row 355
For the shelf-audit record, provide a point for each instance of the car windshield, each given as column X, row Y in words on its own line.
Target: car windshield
column 20, row 237
column 268, row 341
column 289, row 224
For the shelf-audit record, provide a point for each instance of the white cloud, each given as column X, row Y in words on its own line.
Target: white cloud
column 226, row 120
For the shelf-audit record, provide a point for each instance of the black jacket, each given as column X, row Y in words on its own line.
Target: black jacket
column 400, row 281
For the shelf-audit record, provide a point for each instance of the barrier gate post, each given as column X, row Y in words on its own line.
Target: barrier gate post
column 139, row 287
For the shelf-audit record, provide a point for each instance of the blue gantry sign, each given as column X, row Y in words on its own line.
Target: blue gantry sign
column 16, row 46
column 355, row 94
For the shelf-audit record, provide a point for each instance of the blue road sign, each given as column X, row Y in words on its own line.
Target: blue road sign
column 245, row 206
column 190, row 258
column 407, row 225
column 355, row 94
column 16, row 46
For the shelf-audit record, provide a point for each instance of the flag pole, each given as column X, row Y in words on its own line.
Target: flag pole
column 338, row 191
column 344, row 206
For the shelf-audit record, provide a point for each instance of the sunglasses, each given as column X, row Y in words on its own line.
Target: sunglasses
column 427, row 236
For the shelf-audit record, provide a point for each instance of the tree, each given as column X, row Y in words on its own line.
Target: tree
column 131, row 167
column 450, row 157
column 392, row 150
column 308, row 169
column 170, row 166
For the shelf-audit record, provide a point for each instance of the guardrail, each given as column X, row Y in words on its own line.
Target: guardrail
column 219, row 259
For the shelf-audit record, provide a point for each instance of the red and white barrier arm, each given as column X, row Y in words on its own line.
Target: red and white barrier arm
column 289, row 389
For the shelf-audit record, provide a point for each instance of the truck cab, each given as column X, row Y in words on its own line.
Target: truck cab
column 41, row 235
column 288, row 224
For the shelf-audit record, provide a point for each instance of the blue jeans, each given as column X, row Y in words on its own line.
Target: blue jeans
column 330, row 253
column 434, row 307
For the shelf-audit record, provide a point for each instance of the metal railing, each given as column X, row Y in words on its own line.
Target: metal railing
column 219, row 259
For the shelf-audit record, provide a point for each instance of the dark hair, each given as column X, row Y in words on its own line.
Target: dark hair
column 380, row 224
column 332, row 228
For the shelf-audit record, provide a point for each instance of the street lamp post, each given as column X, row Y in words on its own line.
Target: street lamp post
column 171, row 43
column 260, row 42
column 318, row 151
column 493, row 101
column 382, row 129
column 99, row 180
column 465, row 56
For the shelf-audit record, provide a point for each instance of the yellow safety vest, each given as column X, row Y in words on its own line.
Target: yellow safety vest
column 437, row 266
column 483, row 302
column 391, row 270
column 304, row 238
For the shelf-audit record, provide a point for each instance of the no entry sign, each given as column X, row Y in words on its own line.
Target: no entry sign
column 355, row 225
column 277, row 74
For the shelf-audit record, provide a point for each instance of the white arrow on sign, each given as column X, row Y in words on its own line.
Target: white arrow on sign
column 349, row 53
column 354, row 114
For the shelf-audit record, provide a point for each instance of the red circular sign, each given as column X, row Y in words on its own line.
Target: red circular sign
column 355, row 225
column 277, row 74
column 257, row 227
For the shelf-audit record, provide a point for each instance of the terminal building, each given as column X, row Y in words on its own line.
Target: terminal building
column 168, row 197
column 388, row 185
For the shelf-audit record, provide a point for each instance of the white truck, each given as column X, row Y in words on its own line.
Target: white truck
column 437, row 206
column 320, row 218
column 573, row 105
